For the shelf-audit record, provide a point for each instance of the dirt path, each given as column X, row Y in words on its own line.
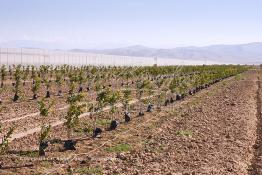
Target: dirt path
column 256, row 167
column 30, row 115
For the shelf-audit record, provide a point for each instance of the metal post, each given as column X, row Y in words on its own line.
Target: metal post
column 64, row 57
column 15, row 54
column 155, row 61
column 7, row 57
column 68, row 58
column 44, row 56
column 0, row 56
column 21, row 56
column 33, row 58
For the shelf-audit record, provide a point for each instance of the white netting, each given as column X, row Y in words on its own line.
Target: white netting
column 9, row 56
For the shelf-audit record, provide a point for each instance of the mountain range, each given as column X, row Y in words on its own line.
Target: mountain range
column 250, row 53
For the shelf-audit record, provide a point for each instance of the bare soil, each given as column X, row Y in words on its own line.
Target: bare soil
column 216, row 131
column 256, row 167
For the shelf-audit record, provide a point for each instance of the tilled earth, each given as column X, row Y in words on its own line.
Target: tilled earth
column 212, row 133
column 215, row 131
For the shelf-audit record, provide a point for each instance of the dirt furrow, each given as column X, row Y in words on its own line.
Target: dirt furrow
column 60, row 122
column 256, row 167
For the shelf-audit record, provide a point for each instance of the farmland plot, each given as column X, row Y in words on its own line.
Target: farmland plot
column 145, row 120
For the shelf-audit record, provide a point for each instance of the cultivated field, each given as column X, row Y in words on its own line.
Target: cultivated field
column 130, row 120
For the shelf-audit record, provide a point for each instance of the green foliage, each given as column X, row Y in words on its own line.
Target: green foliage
column 25, row 73
column 183, row 85
column 142, row 87
column 36, row 85
column 89, row 170
column 33, row 72
column 195, row 80
column 126, row 97
column 72, row 99
column 43, row 70
column 32, row 154
column 58, row 80
column 112, row 99
column 17, row 77
column 45, row 130
column 3, row 74
column 5, row 140
column 102, row 98
column 160, row 82
column 74, row 111
column 47, row 83
column 72, row 80
column 119, row 148
column 178, row 85
column 186, row 133
column 44, row 108
column 174, row 84
column 103, row 122
column 80, row 77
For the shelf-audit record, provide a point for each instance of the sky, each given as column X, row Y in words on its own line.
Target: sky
column 88, row 24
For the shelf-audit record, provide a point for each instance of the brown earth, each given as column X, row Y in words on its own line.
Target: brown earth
column 215, row 131
column 256, row 167
column 212, row 133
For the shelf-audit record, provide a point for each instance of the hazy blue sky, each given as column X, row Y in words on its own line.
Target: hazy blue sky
column 112, row 23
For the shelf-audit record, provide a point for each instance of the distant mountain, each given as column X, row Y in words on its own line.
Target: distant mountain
column 250, row 53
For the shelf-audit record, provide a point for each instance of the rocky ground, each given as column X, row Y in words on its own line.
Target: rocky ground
column 216, row 131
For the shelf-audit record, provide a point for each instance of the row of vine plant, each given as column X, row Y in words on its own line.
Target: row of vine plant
column 113, row 87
